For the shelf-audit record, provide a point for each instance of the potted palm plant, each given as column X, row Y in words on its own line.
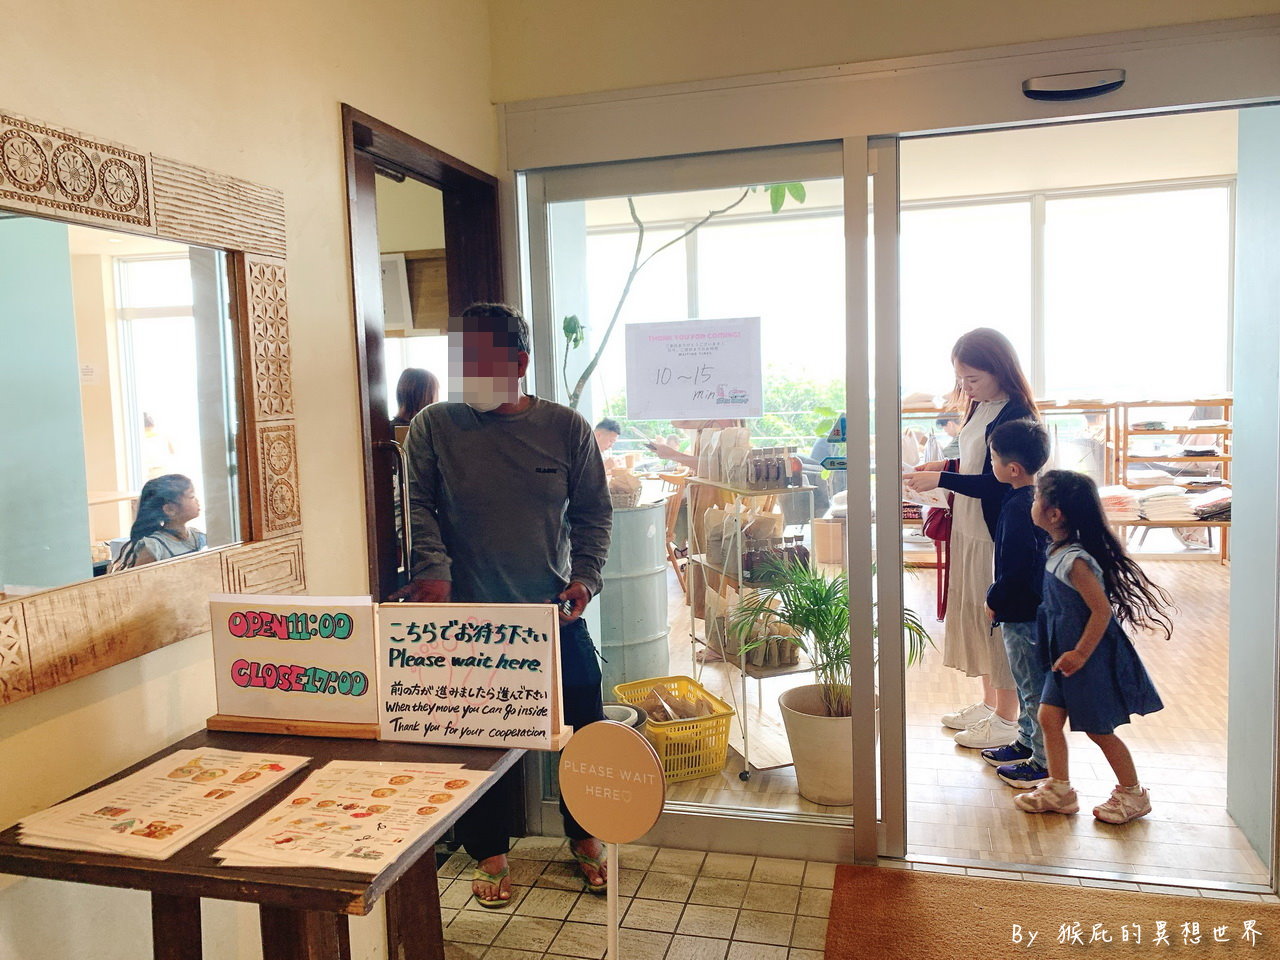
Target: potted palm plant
column 814, row 606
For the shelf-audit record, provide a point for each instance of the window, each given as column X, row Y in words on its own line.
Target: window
column 962, row 266
column 787, row 269
column 158, row 368
column 1134, row 289
column 1137, row 294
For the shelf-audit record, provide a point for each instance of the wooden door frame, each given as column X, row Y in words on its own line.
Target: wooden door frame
column 473, row 267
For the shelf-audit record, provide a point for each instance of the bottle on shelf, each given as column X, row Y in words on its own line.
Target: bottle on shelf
column 750, row 557
column 802, row 552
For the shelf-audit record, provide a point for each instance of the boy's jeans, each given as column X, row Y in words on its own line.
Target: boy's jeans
column 1027, row 663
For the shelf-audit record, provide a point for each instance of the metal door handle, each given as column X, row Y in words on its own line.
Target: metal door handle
column 402, row 478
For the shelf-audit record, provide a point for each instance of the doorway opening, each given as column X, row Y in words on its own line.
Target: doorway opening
column 1105, row 252
column 424, row 245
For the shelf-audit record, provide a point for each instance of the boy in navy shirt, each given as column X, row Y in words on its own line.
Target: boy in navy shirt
column 1019, row 449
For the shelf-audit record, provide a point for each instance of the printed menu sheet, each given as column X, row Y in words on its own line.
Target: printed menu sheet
column 159, row 809
column 353, row 815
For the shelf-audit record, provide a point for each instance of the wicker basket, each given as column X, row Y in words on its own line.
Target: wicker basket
column 625, row 499
column 689, row 749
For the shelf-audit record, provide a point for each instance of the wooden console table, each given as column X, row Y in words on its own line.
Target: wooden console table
column 303, row 911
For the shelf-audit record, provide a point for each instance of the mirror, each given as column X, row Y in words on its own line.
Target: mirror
column 415, row 294
column 119, row 370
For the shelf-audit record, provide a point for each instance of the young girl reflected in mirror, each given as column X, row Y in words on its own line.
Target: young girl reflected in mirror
column 166, row 506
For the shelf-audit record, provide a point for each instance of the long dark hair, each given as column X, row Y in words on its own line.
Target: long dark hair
column 1134, row 598
column 156, row 493
column 415, row 389
column 991, row 352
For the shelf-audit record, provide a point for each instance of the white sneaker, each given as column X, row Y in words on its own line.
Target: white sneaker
column 963, row 719
column 1051, row 796
column 994, row 731
column 1124, row 806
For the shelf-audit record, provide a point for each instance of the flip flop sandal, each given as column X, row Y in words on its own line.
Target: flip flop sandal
column 598, row 863
column 494, row 878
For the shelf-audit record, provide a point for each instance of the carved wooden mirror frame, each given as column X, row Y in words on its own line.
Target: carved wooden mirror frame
column 63, row 634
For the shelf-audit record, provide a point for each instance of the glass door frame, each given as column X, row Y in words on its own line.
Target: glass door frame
column 711, row 829
column 882, row 160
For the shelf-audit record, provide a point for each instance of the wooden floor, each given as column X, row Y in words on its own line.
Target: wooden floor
column 958, row 810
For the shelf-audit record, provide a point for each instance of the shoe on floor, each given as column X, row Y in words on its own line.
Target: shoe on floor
column 1049, row 797
column 963, row 719
column 1009, row 753
column 1026, row 775
column 994, row 731
column 1124, row 806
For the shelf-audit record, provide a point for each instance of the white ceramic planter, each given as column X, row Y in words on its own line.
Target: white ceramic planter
column 821, row 746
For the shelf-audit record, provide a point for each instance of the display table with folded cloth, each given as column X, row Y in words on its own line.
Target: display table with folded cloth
column 1175, row 506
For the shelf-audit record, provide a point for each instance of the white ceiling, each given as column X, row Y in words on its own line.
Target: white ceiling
column 108, row 243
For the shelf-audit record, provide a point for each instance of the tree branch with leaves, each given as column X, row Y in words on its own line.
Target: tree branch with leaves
column 575, row 331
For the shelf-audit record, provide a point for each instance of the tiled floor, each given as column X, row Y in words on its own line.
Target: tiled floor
column 675, row 905
column 679, row 905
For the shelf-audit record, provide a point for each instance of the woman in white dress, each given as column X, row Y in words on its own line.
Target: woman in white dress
column 994, row 390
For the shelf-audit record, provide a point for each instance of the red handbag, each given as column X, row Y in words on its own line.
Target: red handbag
column 937, row 520
column 937, row 527
column 937, row 523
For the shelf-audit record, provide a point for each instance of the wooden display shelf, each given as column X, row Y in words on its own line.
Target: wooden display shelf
column 1170, row 523
column 1220, row 458
column 701, row 560
column 1223, row 401
column 1127, row 461
column 758, row 673
column 1178, row 431
column 1190, row 483
column 744, row 492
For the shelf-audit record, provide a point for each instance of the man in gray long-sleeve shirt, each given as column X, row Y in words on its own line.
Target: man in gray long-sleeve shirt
column 508, row 504
column 511, row 507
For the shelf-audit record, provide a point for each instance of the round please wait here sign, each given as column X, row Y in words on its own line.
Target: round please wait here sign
column 611, row 780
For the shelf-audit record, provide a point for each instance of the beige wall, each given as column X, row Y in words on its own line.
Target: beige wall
column 547, row 48
column 250, row 89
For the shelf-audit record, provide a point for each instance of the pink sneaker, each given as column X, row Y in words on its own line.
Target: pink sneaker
column 1051, row 796
column 1124, row 806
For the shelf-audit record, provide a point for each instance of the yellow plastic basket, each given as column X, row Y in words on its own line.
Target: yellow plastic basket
column 689, row 749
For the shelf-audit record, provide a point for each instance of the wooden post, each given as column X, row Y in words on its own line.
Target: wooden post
column 414, row 931
column 615, row 877
column 175, row 927
column 289, row 934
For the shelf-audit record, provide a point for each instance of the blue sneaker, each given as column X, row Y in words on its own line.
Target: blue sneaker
column 1012, row 753
column 1025, row 775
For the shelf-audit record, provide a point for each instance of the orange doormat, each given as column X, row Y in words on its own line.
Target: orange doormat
column 880, row 913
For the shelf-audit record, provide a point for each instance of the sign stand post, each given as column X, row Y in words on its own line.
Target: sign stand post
column 614, row 919
column 611, row 780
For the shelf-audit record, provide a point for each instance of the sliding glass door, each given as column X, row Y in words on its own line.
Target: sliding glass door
column 621, row 253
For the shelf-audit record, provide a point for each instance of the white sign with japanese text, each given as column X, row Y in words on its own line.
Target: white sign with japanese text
column 479, row 675
column 694, row 369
